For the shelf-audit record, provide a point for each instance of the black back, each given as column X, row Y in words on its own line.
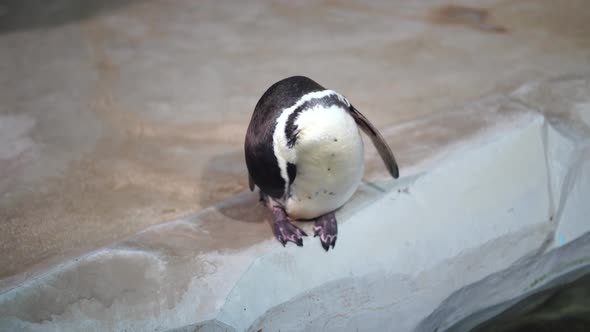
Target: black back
column 260, row 158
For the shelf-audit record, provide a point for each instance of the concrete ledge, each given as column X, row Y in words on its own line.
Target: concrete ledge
column 476, row 303
column 507, row 195
column 437, row 227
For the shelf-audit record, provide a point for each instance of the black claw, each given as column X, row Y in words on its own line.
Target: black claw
column 327, row 244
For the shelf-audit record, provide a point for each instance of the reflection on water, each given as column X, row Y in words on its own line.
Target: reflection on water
column 561, row 308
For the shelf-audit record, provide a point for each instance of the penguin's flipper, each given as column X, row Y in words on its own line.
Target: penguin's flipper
column 251, row 182
column 378, row 141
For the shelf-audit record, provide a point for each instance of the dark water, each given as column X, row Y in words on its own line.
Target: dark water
column 561, row 308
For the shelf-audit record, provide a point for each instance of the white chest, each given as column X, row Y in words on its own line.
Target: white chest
column 329, row 159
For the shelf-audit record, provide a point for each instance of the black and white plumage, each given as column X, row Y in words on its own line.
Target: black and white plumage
column 304, row 151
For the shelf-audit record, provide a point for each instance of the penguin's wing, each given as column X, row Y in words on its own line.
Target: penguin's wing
column 378, row 141
column 251, row 182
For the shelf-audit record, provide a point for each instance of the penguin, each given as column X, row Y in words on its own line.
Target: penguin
column 304, row 151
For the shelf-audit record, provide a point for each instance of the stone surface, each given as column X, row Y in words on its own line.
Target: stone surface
column 407, row 248
column 124, row 114
column 122, row 188
column 531, row 276
column 480, row 209
column 564, row 104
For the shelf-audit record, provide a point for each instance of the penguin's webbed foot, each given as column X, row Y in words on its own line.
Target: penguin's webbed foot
column 284, row 230
column 327, row 229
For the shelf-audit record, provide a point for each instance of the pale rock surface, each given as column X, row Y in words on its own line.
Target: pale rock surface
column 122, row 188
column 125, row 114
column 477, row 210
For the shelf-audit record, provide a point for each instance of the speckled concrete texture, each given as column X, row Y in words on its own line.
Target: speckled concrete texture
column 122, row 181
column 125, row 114
column 403, row 246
